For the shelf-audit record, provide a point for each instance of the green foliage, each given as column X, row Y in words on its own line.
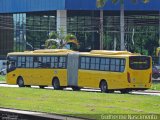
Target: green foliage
column 71, row 40
column 114, row 1
column 70, row 37
column 51, row 44
column 107, row 42
column 101, row 3
column 156, row 86
column 55, row 39
column 146, row 1
column 59, row 40
column 53, row 35
column 2, row 78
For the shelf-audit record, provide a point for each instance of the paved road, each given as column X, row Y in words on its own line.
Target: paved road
column 147, row 92
column 13, row 114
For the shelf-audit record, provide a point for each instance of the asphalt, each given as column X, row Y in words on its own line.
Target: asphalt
column 14, row 114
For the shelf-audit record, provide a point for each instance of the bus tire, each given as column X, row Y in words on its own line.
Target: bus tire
column 103, row 86
column 155, row 76
column 110, row 91
column 75, row 88
column 41, row 87
column 124, row 91
column 56, row 84
column 20, row 82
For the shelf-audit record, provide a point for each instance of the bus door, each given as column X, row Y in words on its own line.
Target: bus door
column 72, row 69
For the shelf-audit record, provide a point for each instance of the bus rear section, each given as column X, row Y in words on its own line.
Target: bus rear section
column 139, row 73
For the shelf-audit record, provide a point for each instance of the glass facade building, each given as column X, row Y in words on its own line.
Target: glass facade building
column 27, row 25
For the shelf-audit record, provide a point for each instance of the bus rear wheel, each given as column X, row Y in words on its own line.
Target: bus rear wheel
column 103, row 86
column 75, row 88
column 124, row 91
column 20, row 82
column 56, row 84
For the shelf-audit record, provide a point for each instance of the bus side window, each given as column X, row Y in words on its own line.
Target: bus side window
column 107, row 64
column 52, row 62
column 35, row 60
column 56, row 62
column 113, row 65
column 117, row 65
column 102, row 64
column 97, row 63
column 93, row 63
column 23, row 61
column 48, row 62
column 87, row 62
column 29, row 62
column 39, row 62
column 19, row 62
column 62, row 62
column 122, row 65
column 82, row 65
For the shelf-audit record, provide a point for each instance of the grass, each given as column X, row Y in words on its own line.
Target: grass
column 2, row 78
column 78, row 103
column 155, row 86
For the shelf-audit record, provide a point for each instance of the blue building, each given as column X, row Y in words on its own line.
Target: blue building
column 26, row 24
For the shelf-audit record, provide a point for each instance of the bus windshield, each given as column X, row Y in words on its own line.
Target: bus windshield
column 11, row 63
column 139, row 62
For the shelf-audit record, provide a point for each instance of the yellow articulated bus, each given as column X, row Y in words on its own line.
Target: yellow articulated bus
column 107, row 70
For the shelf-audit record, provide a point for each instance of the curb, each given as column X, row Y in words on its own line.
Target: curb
column 151, row 91
column 3, row 83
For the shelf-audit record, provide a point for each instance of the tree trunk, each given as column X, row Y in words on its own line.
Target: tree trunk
column 101, row 29
column 122, row 24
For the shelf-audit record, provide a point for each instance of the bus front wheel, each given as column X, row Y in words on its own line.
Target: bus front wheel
column 56, row 84
column 103, row 86
column 20, row 82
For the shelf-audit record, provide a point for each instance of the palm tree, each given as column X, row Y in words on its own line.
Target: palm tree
column 101, row 4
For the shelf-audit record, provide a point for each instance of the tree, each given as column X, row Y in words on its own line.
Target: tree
column 101, row 4
column 60, row 40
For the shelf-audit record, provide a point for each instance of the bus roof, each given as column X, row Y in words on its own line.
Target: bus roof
column 109, row 52
column 65, row 52
column 42, row 52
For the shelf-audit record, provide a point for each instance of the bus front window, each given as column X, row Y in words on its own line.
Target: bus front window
column 11, row 64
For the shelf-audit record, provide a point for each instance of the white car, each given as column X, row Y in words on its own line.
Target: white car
column 3, row 72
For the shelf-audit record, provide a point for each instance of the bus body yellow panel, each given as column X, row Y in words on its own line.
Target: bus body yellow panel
column 92, row 79
column 38, row 76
